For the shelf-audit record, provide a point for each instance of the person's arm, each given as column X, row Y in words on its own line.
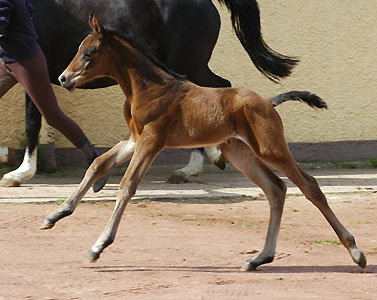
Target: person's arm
column 6, row 8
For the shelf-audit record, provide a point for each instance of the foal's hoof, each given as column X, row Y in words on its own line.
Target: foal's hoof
column 93, row 257
column 362, row 260
column 248, row 266
column 177, row 179
column 9, row 182
column 221, row 162
column 46, row 225
column 100, row 183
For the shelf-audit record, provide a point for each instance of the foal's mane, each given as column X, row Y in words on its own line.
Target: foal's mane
column 147, row 54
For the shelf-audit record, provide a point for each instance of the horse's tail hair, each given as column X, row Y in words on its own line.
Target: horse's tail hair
column 246, row 23
column 311, row 99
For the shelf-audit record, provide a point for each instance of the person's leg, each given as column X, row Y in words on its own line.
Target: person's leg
column 33, row 75
column 7, row 81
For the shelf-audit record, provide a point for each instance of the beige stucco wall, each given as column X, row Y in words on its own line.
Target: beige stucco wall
column 336, row 41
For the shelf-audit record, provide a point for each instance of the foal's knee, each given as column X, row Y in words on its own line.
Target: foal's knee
column 97, row 167
column 277, row 194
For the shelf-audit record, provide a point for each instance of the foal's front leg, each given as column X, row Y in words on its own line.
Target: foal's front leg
column 117, row 155
column 139, row 165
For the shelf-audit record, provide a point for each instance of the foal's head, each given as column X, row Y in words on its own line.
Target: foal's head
column 90, row 61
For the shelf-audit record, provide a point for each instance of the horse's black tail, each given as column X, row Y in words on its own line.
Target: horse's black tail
column 311, row 99
column 246, row 23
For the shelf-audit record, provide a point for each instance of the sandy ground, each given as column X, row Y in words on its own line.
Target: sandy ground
column 188, row 247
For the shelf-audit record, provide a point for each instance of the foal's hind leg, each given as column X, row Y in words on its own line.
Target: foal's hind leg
column 244, row 159
column 101, row 165
column 285, row 163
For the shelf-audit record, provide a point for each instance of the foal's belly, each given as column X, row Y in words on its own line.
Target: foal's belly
column 193, row 137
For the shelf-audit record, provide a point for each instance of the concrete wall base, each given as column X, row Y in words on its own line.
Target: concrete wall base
column 303, row 152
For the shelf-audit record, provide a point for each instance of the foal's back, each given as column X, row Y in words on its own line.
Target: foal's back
column 209, row 116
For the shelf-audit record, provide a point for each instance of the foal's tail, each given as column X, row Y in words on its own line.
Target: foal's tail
column 246, row 23
column 311, row 99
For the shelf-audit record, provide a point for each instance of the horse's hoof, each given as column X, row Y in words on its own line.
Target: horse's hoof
column 9, row 182
column 248, row 266
column 177, row 179
column 221, row 162
column 46, row 225
column 93, row 257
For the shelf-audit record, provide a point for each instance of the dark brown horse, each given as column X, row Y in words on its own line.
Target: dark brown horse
column 180, row 33
column 164, row 109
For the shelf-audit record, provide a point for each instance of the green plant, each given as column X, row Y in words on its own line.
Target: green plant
column 358, row 222
column 347, row 166
column 60, row 201
column 248, row 225
column 327, row 242
column 373, row 163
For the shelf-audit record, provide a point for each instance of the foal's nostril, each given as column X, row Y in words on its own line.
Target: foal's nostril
column 62, row 79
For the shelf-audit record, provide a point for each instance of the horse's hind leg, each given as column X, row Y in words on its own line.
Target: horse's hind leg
column 280, row 158
column 193, row 168
column 195, row 164
column 117, row 155
column 244, row 159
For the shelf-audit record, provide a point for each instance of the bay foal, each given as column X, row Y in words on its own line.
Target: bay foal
column 163, row 109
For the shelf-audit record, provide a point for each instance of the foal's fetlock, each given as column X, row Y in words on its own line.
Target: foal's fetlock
column 51, row 220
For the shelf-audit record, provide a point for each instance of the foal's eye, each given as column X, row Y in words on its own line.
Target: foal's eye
column 88, row 54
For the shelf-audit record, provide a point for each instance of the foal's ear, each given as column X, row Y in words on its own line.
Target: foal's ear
column 96, row 25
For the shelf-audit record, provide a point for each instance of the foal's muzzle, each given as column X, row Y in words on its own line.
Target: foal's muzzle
column 66, row 82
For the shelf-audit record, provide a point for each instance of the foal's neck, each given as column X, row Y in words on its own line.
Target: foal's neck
column 135, row 72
